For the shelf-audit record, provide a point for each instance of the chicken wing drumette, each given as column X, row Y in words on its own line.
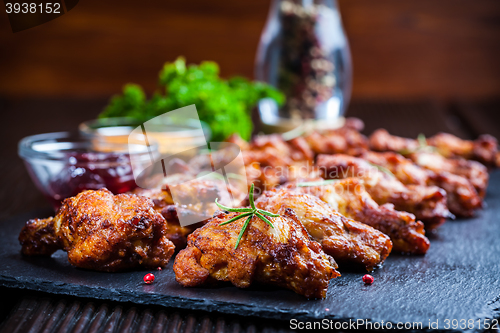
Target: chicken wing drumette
column 342, row 238
column 283, row 256
column 349, row 198
column 102, row 231
column 438, row 160
column 428, row 203
column 462, row 197
column 194, row 204
column 345, row 140
column 484, row 149
column 473, row 171
column 271, row 161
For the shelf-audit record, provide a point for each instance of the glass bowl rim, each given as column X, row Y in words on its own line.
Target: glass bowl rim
column 90, row 127
column 27, row 152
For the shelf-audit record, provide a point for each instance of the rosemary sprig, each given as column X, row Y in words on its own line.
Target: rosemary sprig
column 422, row 141
column 422, row 146
column 249, row 213
column 383, row 169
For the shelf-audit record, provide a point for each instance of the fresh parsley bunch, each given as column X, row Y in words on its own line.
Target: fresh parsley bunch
column 225, row 105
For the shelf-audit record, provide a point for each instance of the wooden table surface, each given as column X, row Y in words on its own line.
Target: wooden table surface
column 28, row 311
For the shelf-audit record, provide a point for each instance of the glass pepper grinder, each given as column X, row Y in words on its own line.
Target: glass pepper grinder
column 304, row 52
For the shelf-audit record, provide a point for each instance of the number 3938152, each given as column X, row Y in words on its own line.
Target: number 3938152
column 32, row 8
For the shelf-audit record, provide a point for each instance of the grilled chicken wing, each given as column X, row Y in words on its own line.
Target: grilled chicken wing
column 474, row 171
column 428, row 203
column 345, row 140
column 382, row 140
column 462, row 197
column 271, row 161
column 340, row 237
column 484, row 149
column 349, row 198
column 195, row 202
column 102, row 231
column 283, row 256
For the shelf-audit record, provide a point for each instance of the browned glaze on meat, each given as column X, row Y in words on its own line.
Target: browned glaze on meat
column 38, row 237
column 195, row 202
column 271, row 161
column 340, row 237
column 283, row 256
column 382, row 140
column 452, row 154
column 428, row 203
column 349, row 198
column 462, row 197
column 473, row 171
column 345, row 140
column 484, row 149
column 102, row 231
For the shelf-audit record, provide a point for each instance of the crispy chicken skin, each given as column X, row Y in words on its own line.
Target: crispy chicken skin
column 38, row 237
column 103, row 232
column 473, row 171
column 196, row 202
column 462, row 197
column 163, row 204
column 272, row 150
column 484, row 149
column 342, row 238
column 428, row 203
column 404, row 169
column 349, row 198
column 346, row 140
column 271, row 161
column 382, row 140
column 447, row 145
column 284, row 256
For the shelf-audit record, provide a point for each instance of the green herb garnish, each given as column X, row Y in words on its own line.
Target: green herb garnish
column 421, row 140
column 225, row 105
column 422, row 146
column 383, row 169
column 249, row 213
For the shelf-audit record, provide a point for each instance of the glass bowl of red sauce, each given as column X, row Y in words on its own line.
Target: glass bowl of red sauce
column 64, row 164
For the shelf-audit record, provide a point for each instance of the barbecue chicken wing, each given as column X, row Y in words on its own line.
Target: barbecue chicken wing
column 271, row 161
column 349, row 198
column 195, row 202
column 283, row 256
column 345, row 140
column 484, row 149
column 103, row 232
column 474, row 172
column 437, row 161
column 428, row 203
column 462, row 197
column 340, row 237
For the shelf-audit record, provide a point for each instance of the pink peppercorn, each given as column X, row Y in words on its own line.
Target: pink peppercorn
column 149, row 278
column 368, row 279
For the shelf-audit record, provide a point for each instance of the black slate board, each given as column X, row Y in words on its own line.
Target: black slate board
column 459, row 278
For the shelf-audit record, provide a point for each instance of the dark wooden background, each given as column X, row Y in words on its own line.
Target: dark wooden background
column 442, row 49
column 419, row 66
